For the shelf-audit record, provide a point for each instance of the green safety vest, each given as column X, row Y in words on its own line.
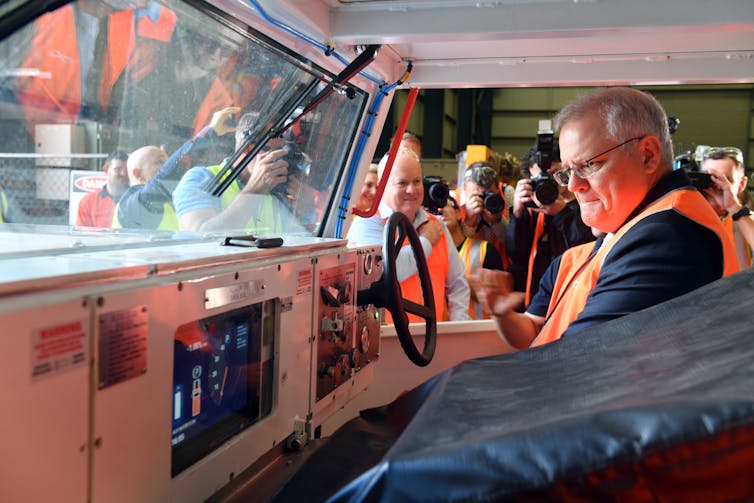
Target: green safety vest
column 264, row 219
column 169, row 221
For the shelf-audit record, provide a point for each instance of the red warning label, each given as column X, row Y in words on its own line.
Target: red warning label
column 59, row 347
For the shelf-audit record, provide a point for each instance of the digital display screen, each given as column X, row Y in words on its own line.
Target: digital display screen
column 223, row 370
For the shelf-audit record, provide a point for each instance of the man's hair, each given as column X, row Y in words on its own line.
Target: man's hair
column 482, row 173
column 246, row 123
column 530, row 157
column 402, row 151
column 625, row 113
column 119, row 155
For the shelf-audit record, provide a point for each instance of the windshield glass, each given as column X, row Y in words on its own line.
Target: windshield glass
column 120, row 114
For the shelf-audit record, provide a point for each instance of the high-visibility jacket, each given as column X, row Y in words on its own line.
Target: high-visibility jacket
column 579, row 270
column 437, row 264
column 55, row 94
column 169, row 221
column 743, row 250
column 264, row 219
column 473, row 252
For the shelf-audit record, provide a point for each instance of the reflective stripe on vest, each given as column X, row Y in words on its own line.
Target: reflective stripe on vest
column 264, row 220
column 576, row 279
column 473, row 252
column 437, row 264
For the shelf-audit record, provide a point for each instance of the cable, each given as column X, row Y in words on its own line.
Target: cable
column 328, row 50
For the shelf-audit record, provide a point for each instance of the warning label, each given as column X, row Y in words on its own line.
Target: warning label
column 304, row 282
column 58, row 348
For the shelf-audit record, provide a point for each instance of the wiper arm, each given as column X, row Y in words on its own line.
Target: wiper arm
column 241, row 158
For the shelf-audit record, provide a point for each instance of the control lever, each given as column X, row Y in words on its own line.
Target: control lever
column 250, row 241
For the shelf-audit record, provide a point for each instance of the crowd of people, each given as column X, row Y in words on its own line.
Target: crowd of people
column 621, row 230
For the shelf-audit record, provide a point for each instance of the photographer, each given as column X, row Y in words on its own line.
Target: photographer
column 537, row 232
column 248, row 203
column 728, row 197
column 404, row 192
column 483, row 208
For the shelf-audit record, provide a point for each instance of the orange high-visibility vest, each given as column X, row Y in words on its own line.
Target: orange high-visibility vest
column 438, row 265
column 578, row 275
column 55, row 95
column 743, row 250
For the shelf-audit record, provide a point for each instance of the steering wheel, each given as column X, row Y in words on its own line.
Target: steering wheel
column 387, row 291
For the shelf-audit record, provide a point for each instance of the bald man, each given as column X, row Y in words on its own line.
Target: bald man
column 404, row 193
column 147, row 204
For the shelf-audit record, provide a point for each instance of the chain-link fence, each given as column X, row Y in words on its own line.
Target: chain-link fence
column 38, row 186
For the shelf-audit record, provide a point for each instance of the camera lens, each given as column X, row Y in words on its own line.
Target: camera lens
column 493, row 202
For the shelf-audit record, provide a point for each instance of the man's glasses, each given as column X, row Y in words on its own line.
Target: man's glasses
column 724, row 152
column 589, row 167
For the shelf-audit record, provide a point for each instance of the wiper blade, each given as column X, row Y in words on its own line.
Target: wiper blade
column 241, row 158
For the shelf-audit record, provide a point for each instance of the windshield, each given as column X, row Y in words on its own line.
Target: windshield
column 122, row 114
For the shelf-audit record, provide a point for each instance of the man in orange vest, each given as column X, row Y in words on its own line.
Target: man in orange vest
column 80, row 54
column 728, row 197
column 483, row 206
column 662, row 238
column 475, row 253
column 404, row 192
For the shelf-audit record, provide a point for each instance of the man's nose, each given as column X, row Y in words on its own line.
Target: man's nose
column 576, row 183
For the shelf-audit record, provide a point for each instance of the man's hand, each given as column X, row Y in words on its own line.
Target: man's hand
column 432, row 230
column 223, row 121
column 723, row 194
column 494, row 291
column 266, row 171
column 521, row 196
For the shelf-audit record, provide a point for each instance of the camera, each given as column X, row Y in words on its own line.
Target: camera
column 545, row 188
column 299, row 165
column 436, row 194
column 687, row 162
column 493, row 202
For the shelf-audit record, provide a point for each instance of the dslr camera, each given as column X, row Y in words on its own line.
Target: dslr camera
column 544, row 187
column 493, row 202
column 687, row 162
column 299, row 165
column 436, row 194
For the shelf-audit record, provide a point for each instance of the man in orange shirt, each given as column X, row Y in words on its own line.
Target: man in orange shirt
column 96, row 208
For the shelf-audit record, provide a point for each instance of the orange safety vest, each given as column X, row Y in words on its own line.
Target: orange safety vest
column 437, row 263
column 473, row 252
column 579, row 270
column 55, row 95
column 230, row 88
column 743, row 250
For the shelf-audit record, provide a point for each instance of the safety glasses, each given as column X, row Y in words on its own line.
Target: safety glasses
column 724, row 152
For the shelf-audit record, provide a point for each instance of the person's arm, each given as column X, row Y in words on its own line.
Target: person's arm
column 495, row 293
column 457, row 291
column 662, row 257
column 746, row 227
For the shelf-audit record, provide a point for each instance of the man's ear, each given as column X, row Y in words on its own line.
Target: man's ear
column 651, row 151
column 742, row 184
column 137, row 174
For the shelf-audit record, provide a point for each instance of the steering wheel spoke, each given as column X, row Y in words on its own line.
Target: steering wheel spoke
column 419, row 310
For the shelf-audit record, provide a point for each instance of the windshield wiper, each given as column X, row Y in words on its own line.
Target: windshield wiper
column 254, row 143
